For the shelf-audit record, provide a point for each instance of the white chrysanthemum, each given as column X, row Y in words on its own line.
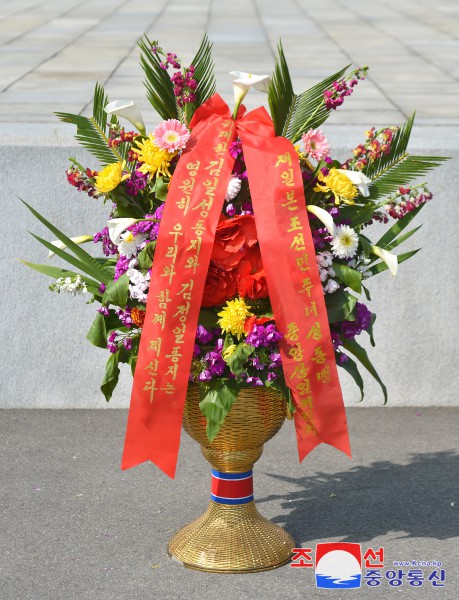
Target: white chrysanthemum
column 130, row 243
column 234, row 187
column 345, row 242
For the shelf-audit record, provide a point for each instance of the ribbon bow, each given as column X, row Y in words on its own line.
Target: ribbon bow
column 182, row 256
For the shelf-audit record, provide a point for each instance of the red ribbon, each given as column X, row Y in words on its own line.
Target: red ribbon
column 179, row 271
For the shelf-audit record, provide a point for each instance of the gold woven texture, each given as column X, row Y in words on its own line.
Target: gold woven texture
column 234, row 539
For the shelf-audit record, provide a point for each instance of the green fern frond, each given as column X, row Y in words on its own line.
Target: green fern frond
column 402, row 171
column 308, row 110
column 280, row 93
column 91, row 132
column 204, row 75
column 160, row 90
column 91, row 137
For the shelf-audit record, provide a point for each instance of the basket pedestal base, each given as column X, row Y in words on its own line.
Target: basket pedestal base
column 231, row 539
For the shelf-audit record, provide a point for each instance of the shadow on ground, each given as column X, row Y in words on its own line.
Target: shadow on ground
column 412, row 500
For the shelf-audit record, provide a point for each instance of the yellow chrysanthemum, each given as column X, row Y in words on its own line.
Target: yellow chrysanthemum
column 153, row 159
column 110, row 177
column 233, row 317
column 340, row 186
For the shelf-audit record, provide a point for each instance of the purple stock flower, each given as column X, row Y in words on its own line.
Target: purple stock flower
column 349, row 329
column 125, row 316
column 121, row 266
column 203, row 336
column 108, row 247
column 103, row 310
column 263, row 336
column 136, row 183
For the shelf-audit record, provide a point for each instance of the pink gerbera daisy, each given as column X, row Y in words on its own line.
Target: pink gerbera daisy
column 315, row 144
column 171, row 135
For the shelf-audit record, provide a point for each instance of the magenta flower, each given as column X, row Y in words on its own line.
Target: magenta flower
column 315, row 144
column 171, row 135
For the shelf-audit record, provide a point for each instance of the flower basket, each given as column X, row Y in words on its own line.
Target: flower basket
column 236, row 256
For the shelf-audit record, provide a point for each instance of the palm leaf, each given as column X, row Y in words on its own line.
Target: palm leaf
column 280, row 92
column 204, row 75
column 402, row 171
column 91, row 131
column 308, row 110
column 160, row 90
column 397, row 151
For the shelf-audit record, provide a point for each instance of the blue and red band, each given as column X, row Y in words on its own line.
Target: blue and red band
column 232, row 488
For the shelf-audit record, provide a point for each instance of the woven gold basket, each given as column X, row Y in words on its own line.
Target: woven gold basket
column 231, row 536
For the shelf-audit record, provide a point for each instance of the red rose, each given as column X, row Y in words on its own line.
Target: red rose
column 232, row 240
column 220, row 286
column 251, row 277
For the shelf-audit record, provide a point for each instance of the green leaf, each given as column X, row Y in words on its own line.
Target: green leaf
column 339, row 305
column 382, row 266
column 160, row 90
column 358, row 215
column 67, row 257
column 100, row 328
column 402, row 238
column 57, row 272
column 208, row 318
column 111, row 376
column 367, row 293
column 117, row 292
column 308, row 110
column 145, row 257
column 350, row 277
column 216, row 404
column 360, row 353
column 239, row 357
column 398, row 227
column 280, row 92
column 161, row 189
column 351, row 367
column 370, row 330
column 104, row 274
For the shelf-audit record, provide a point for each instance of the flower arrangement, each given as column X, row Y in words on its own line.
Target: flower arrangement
column 237, row 337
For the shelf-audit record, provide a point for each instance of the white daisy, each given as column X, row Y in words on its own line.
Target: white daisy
column 345, row 242
column 130, row 243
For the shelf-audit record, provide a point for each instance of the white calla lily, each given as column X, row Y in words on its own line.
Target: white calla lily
column 323, row 216
column 81, row 239
column 129, row 110
column 390, row 259
column 244, row 81
column 116, row 227
column 360, row 180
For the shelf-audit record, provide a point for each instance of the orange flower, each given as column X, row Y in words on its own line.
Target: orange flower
column 138, row 316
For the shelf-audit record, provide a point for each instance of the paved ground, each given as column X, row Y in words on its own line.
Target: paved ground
column 54, row 50
column 75, row 527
